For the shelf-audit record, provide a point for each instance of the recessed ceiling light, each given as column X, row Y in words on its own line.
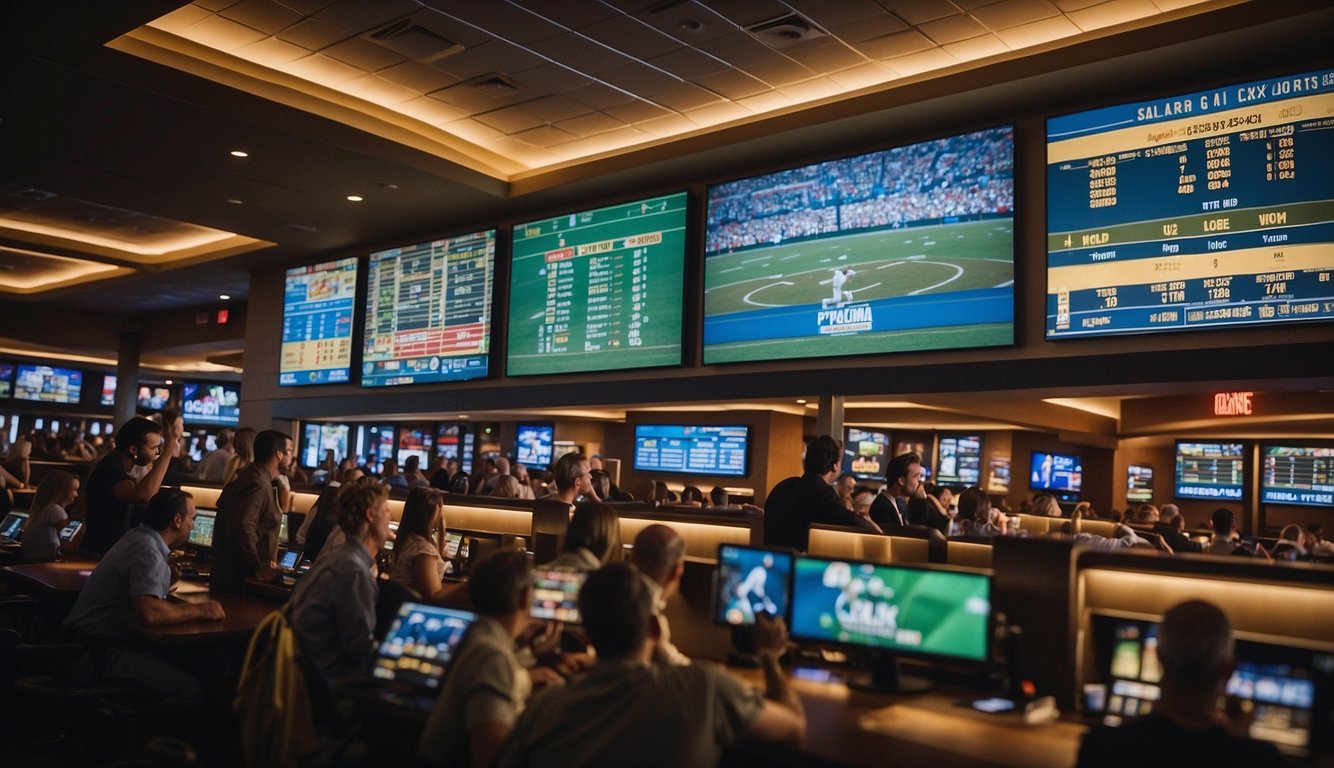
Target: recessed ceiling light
column 801, row 402
column 168, row 382
column 234, row 201
column 354, row 198
column 225, row 296
column 240, row 153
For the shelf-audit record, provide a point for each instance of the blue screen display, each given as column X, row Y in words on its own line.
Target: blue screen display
column 318, row 303
column 696, row 450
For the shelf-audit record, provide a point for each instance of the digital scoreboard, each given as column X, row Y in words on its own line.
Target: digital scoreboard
column 1298, row 474
column 318, row 302
column 598, row 290
column 1205, row 210
column 428, row 311
column 688, row 449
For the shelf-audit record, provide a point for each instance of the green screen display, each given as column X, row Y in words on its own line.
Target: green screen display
column 598, row 290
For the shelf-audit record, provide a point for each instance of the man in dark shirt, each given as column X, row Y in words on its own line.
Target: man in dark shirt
column 113, row 495
column 245, row 539
column 903, row 481
column 797, row 502
column 1186, row 728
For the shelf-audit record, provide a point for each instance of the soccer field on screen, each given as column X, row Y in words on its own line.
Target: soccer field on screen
column 916, row 288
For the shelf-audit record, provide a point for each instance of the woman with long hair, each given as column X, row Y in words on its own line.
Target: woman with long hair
column 243, row 445
column 50, row 513
column 417, row 546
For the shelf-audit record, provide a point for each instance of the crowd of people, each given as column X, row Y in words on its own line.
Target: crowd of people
column 962, row 177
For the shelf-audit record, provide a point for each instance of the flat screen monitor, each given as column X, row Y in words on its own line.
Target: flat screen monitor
column 416, row 440
column 1298, row 474
column 1200, row 210
column 151, row 397
column 419, row 645
column 318, row 305
column 7, row 379
column 1060, row 473
column 319, row 438
column 904, row 249
column 469, row 450
column 447, row 440
column 211, row 402
column 692, row 450
column 201, row 444
column 893, row 610
column 750, row 581
column 919, row 443
column 959, row 461
column 598, row 290
column 556, row 595
column 1139, row 483
column 376, row 443
column 864, row 453
column 201, row 536
column 533, row 445
column 561, row 447
column 1210, row 470
column 48, row 384
column 108, row 389
column 428, row 311
column 12, row 525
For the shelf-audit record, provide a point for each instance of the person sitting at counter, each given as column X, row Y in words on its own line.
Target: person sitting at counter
column 903, row 481
column 1186, row 727
column 128, row 589
column 49, row 513
column 627, row 709
column 660, row 556
column 1172, row 527
column 418, row 565
column 572, row 477
column 592, row 540
column 797, row 502
column 975, row 516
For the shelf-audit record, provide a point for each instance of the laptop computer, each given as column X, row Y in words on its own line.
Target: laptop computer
column 410, row 663
column 12, row 526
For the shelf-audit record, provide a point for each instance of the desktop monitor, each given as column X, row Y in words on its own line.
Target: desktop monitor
column 936, row 614
column 750, row 581
column 13, row 525
column 201, row 536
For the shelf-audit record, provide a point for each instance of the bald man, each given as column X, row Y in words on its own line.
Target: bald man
column 660, row 556
column 1186, row 727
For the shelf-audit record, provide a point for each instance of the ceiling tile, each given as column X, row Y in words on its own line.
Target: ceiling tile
column 919, row 11
column 765, row 102
column 689, row 22
column 419, row 77
column 1112, row 13
column 667, row 126
column 323, row 70
column 214, row 6
column 580, row 53
column 380, row 91
column 745, row 13
column 589, row 124
column 1012, row 13
column 631, row 37
column 1037, row 33
column 733, row 84
column 866, row 76
column 180, row 19
column 1074, row 5
column 599, row 96
column 223, row 34
column 636, row 111
column 553, row 78
column 749, row 55
column 363, row 55
column 952, row 29
column 312, row 34
column 570, row 15
column 475, row 100
column 359, row 16
column 511, row 119
column 825, row 55
column 717, row 114
column 495, row 56
column 685, row 97
column 473, row 131
column 639, row 79
column 264, row 15
column 544, row 136
column 833, row 12
column 811, row 90
column 977, row 48
column 555, row 108
column 1172, row 5
column 431, row 111
column 883, row 23
column 504, row 19
column 272, row 52
column 918, row 63
column 897, row 44
column 688, row 63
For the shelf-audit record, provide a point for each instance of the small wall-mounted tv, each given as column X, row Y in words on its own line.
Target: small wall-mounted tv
column 1210, row 470
column 1139, row 483
column 319, row 438
column 48, row 384
column 692, row 449
column 864, row 453
column 1299, row 474
column 211, row 402
column 960, row 460
column 533, row 445
column 1058, row 473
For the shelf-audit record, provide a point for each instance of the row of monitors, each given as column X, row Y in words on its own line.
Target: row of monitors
column 201, row 401
column 1212, row 209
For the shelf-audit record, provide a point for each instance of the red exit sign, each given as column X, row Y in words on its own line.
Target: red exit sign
column 1234, row 403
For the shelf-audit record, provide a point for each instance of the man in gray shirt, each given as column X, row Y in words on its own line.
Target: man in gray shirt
column 628, row 708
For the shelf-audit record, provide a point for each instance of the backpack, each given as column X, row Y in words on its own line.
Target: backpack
column 272, row 702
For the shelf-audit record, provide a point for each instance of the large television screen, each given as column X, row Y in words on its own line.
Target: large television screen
column 533, row 445
column 910, row 611
column 416, row 440
column 1209, row 209
column 47, row 384
column 1056, row 472
column 6, row 379
column 864, row 453
column 151, row 397
column 108, row 389
column 428, row 311
column 905, row 249
column 447, row 440
column 598, row 290
column 319, row 438
column 960, row 461
column 1298, row 474
column 1139, row 483
column 213, row 402
column 375, row 444
column 1210, row 470
column 318, row 304
column 691, row 450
